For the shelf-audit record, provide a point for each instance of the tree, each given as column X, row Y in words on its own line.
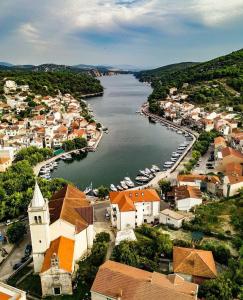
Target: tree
column 165, row 186
column 102, row 237
column 126, row 253
column 15, row 232
column 103, row 192
column 214, row 289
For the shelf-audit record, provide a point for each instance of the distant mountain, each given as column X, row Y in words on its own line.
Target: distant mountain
column 217, row 80
column 5, row 64
column 165, row 70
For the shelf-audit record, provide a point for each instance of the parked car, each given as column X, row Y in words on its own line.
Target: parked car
column 210, row 167
column 17, row 265
column 24, row 258
column 28, row 249
column 209, row 164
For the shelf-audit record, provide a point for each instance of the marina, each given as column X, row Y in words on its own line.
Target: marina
column 118, row 157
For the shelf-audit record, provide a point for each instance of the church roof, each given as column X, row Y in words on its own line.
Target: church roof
column 71, row 205
column 37, row 200
column 63, row 249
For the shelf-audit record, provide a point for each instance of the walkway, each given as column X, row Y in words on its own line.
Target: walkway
column 162, row 175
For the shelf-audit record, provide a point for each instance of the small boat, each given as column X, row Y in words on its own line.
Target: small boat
column 142, row 178
column 88, row 189
column 119, row 188
column 129, row 183
column 143, row 173
column 174, row 159
column 179, row 131
column 113, row 188
column 95, row 192
column 123, row 185
column 147, row 170
column 156, row 168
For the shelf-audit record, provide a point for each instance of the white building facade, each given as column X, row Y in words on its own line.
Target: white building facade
column 130, row 209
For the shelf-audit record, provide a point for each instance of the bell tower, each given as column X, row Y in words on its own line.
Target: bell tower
column 39, row 221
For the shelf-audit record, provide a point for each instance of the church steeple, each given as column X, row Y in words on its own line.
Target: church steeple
column 37, row 200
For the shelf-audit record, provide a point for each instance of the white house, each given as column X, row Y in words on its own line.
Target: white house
column 232, row 184
column 187, row 197
column 170, row 217
column 8, row 292
column 61, row 233
column 134, row 207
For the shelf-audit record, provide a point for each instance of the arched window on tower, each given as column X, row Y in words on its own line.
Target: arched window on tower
column 39, row 220
column 36, row 219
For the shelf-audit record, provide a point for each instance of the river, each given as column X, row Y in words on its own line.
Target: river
column 132, row 142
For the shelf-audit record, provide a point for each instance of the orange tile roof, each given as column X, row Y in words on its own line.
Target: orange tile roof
column 119, row 280
column 191, row 177
column 3, row 160
column 184, row 191
column 4, row 296
column 234, row 179
column 233, row 169
column 194, row 262
column 71, row 205
column 126, row 199
column 63, row 248
column 79, row 132
column 219, row 140
column 230, row 151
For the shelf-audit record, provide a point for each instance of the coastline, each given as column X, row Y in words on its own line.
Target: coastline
column 164, row 174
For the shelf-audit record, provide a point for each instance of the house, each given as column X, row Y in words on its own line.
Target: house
column 187, row 197
column 171, row 218
column 219, row 144
column 133, row 208
column 61, row 233
column 5, row 162
column 8, row 292
column 119, row 281
column 208, row 124
column 233, row 179
column 191, row 180
column 228, row 155
column 194, row 265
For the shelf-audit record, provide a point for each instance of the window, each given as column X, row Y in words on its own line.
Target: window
column 39, row 220
column 142, row 193
column 136, row 223
column 136, row 194
column 136, row 217
column 57, row 290
column 36, row 219
column 39, row 241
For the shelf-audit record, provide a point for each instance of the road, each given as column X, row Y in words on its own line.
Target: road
column 6, row 268
column 202, row 168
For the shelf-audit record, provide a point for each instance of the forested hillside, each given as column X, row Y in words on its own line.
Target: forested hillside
column 48, row 83
column 218, row 80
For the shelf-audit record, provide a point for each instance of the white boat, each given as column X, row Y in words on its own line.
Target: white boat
column 174, row 159
column 88, row 189
column 143, row 173
column 95, row 192
column 156, row 168
column 123, row 185
column 127, row 179
column 142, row 178
column 113, row 188
column 147, row 171
column 175, row 155
column 119, row 188
column 129, row 183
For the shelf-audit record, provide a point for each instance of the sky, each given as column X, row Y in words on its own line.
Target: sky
column 146, row 33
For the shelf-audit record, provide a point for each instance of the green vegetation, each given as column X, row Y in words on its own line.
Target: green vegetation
column 15, row 232
column 33, row 155
column 146, row 252
column 77, row 143
column 16, row 189
column 217, row 81
column 49, row 83
column 103, row 192
column 165, row 186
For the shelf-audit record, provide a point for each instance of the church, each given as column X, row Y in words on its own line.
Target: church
column 61, row 233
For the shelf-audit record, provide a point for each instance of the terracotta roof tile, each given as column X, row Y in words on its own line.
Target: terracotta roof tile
column 184, row 191
column 194, row 262
column 230, row 151
column 191, row 177
column 126, row 199
column 71, row 205
column 219, row 140
column 118, row 280
column 63, row 248
column 233, row 169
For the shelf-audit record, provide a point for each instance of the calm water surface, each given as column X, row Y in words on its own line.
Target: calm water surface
column 132, row 142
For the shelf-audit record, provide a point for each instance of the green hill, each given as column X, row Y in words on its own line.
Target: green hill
column 218, row 80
